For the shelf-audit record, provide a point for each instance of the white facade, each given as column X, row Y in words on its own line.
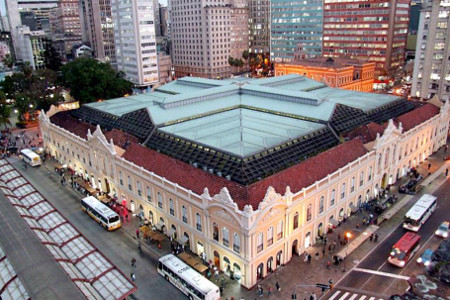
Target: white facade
column 135, row 40
column 432, row 63
column 250, row 242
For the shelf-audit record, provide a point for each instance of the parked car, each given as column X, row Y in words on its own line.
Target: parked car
column 443, row 229
column 425, row 258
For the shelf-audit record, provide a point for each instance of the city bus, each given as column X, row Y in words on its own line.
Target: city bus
column 30, row 157
column 101, row 213
column 186, row 279
column 404, row 249
column 419, row 213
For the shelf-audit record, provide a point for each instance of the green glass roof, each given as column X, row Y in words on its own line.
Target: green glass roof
column 242, row 131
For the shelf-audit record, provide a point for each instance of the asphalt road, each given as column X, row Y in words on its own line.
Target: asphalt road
column 118, row 246
column 363, row 280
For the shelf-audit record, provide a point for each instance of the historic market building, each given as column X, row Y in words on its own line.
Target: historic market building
column 249, row 172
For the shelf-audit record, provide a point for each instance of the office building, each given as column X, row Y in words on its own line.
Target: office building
column 298, row 26
column 431, row 75
column 248, row 172
column 259, row 27
column 135, row 41
column 201, row 34
column 98, row 29
column 371, row 30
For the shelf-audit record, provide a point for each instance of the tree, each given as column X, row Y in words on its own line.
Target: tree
column 23, row 105
column 27, row 69
column 8, row 60
column 245, row 55
column 52, row 58
column 231, row 61
column 90, row 80
column 5, row 110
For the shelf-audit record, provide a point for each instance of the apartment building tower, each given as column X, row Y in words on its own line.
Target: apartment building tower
column 259, row 26
column 374, row 30
column 98, row 29
column 135, row 41
column 432, row 64
column 300, row 26
column 201, row 35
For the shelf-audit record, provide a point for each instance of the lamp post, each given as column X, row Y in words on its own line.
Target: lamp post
column 348, row 235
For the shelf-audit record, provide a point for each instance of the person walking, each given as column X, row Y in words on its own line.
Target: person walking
column 446, row 172
column 137, row 233
column 376, row 238
column 371, row 237
column 313, row 296
column 277, row 286
column 133, row 262
column 269, row 291
column 133, row 277
column 139, row 246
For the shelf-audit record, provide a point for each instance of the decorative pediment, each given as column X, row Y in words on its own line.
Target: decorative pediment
column 270, row 197
column 206, row 193
column 389, row 133
column 100, row 137
column 225, row 197
column 272, row 212
column 248, row 211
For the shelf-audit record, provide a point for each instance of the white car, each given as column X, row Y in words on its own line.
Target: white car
column 442, row 230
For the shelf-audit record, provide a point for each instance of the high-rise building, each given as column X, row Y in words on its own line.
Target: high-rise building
column 432, row 64
column 374, row 30
column 135, row 41
column 98, row 29
column 201, row 36
column 299, row 26
column 66, row 26
column 259, row 26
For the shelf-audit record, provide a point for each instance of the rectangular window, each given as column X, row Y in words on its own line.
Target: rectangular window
column 309, row 213
column 198, row 219
column 280, row 230
column 172, row 208
column 184, row 212
column 352, row 187
column 149, row 194
column 333, row 193
column 160, row 204
column 370, row 174
column 129, row 184
column 139, row 188
column 295, row 221
column 321, row 204
column 120, row 178
column 260, row 245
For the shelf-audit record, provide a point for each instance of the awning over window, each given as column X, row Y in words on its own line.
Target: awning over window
column 353, row 208
column 333, row 222
column 170, row 231
column 159, row 225
column 182, row 240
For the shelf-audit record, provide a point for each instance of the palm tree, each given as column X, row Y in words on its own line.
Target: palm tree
column 8, row 60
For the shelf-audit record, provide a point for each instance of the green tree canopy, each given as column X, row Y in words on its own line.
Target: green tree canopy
column 90, row 80
column 5, row 110
column 8, row 60
column 52, row 58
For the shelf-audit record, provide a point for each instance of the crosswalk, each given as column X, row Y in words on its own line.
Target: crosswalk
column 344, row 295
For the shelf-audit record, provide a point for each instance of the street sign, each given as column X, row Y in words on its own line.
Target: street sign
column 322, row 286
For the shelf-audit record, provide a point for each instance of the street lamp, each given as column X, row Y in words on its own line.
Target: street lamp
column 348, row 235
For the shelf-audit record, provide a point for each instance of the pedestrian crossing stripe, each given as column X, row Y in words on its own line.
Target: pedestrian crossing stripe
column 342, row 295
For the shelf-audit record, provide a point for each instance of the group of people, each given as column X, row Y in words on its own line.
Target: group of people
column 260, row 289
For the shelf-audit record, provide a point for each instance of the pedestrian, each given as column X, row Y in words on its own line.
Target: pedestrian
column 364, row 221
column 446, row 172
column 323, row 251
column 139, row 246
column 334, row 245
column 133, row 277
column 371, row 237
column 429, row 166
column 329, row 247
column 309, row 258
column 328, row 264
column 325, row 241
column 137, row 233
column 376, row 238
column 313, row 296
column 133, row 262
column 317, row 255
column 277, row 287
column 261, row 292
column 269, row 291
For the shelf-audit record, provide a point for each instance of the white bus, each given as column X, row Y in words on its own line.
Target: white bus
column 105, row 216
column 30, row 157
column 189, row 281
column 420, row 212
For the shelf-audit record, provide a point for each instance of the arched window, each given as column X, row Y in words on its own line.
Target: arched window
column 160, row 204
column 270, row 236
column 333, row 195
column 369, row 178
column 280, row 230
column 225, row 237
column 352, row 187
column 260, row 242
column 343, row 191
column 236, row 242
column 361, row 179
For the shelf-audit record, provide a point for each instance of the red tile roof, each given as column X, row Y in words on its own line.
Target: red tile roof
column 121, row 138
column 367, row 133
column 417, row 116
column 297, row 177
column 65, row 120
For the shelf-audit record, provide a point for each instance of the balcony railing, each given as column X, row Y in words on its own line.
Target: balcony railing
column 199, row 227
column 172, row 212
column 225, row 242
column 269, row 241
column 236, row 248
column 259, row 248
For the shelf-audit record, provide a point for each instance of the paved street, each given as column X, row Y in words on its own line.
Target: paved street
column 363, row 279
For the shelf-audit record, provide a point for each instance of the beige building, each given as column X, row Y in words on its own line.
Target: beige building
column 246, row 226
